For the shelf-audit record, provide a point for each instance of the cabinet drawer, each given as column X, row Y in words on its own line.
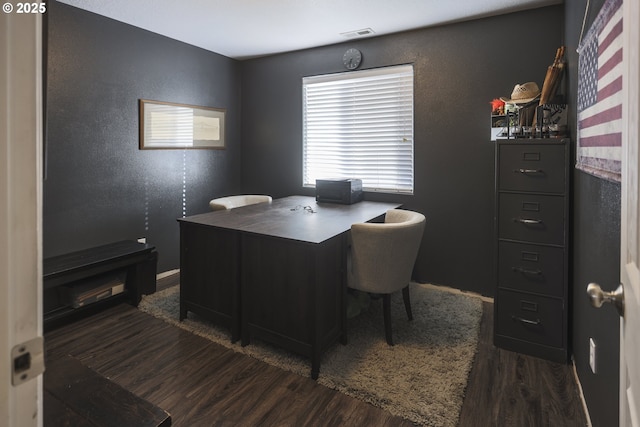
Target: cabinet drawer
column 532, row 167
column 532, row 218
column 531, row 268
column 530, row 318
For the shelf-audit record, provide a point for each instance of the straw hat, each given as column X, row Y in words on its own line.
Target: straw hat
column 523, row 94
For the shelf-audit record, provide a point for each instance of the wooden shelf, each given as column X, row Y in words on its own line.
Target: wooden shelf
column 137, row 262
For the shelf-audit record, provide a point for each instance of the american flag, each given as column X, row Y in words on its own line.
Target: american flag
column 600, row 94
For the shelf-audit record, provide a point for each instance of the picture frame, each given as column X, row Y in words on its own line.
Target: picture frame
column 169, row 125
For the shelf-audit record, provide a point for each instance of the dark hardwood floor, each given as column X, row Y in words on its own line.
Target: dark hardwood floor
column 511, row 389
column 203, row 384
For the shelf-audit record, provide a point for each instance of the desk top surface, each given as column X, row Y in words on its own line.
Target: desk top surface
column 76, row 395
column 294, row 217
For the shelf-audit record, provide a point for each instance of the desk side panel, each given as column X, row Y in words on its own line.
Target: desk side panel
column 209, row 273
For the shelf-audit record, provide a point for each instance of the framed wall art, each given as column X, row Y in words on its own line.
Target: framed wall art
column 167, row 125
column 600, row 94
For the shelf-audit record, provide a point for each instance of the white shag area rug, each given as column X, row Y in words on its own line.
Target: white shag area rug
column 422, row 378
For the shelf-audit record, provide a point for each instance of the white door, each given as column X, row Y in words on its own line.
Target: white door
column 630, row 237
column 20, row 219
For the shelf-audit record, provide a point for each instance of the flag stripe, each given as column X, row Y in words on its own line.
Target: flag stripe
column 602, row 152
column 608, row 140
column 612, row 33
column 610, row 114
column 611, row 75
column 610, row 65
column 605, row 104
column 602, row 130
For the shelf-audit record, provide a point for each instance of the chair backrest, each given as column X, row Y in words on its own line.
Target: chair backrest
column 383, row 254
column 231, row 202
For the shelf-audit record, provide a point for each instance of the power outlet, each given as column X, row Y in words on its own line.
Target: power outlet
column 592, row 355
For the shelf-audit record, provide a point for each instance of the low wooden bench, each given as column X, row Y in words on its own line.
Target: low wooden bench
column 137, row 262
column 75, row 395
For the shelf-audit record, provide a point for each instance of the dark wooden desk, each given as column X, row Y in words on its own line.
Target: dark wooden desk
column 275, row 271
column 75, row 395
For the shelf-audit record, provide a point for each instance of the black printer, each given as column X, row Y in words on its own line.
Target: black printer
column 344, row 191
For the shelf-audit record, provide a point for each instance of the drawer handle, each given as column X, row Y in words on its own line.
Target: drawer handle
column 527, row 171
column 526, row 321
column 525, row 271
column 528, row 221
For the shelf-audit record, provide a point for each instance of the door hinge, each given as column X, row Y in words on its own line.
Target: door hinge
column 27, row 360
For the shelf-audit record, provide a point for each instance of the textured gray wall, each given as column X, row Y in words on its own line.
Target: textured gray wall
column 100, row 187
column 596, row 255
column 458, row 69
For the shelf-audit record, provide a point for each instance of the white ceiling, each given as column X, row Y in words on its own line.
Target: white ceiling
column 249, row 28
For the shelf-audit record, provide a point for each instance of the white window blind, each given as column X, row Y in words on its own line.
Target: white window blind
column 168, row 125
column 360, row 125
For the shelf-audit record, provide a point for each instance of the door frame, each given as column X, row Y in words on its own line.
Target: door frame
column 629, row 232
column 21, row 136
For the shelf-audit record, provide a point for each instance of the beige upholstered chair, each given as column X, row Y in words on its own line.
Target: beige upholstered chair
column 230, row 202
column 382, row 256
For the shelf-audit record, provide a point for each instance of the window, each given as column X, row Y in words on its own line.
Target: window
column 360, row 125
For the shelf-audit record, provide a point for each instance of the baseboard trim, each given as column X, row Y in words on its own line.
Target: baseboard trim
column 582, row 399
column 167, row 273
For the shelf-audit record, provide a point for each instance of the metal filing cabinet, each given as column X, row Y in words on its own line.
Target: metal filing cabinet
column 532, row 237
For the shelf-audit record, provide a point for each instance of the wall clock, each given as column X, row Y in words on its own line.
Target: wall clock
column 351, row 59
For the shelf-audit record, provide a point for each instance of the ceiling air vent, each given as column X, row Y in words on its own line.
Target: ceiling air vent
column 358, row 33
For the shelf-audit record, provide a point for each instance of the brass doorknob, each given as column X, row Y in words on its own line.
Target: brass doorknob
column 599, row 297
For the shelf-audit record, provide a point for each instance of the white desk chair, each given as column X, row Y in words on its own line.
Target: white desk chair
column 382, row 257
column 231, row 202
